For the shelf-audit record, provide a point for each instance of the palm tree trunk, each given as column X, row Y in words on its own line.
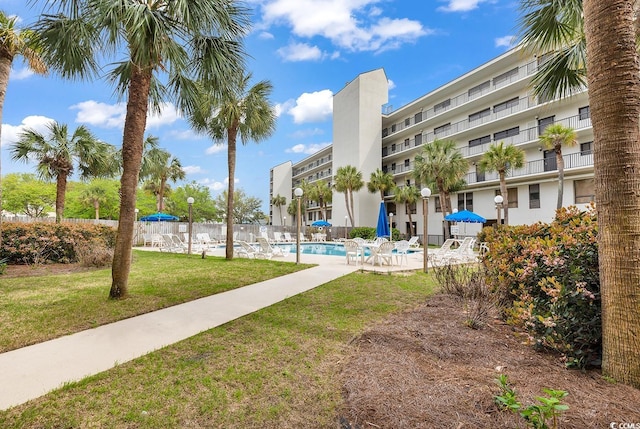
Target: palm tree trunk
column 163, row 183
column 560, row 165
column 346, row 203
column 5, row 70
column 505, row 196
column 614, row 99
column 411, row 234
column 231, row 160
column 132, row 143
column 351, row 208
column 96, row 206
column 61, row 188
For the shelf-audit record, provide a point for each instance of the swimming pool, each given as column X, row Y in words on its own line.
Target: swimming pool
column 330, row 249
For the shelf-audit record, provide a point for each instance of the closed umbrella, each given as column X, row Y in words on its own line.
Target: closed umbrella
column 382, row 229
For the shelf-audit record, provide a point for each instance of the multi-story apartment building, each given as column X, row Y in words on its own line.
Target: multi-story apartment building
column 492, row 103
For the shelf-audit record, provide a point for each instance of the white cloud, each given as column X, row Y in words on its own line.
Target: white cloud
column 283, row 107
column 113, row 115
column 214, row 185
column 307, row 148
column 265, row 35
column 300, row 52
column 21, row 74
column 506, row 41
column 392, row 84
column 355, row 25
column 312, row 107
column 10, row 133
column 300, row 134
column 193, row 169
column 460, row 5
column 216, row 148
column 184, row 135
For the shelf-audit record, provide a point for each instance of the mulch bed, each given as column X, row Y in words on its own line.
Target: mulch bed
column 426, row 369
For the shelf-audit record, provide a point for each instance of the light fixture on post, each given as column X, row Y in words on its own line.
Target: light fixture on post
column 346, row 218
column 190, row 201
column 426, row 193
column 298, row 194
column 390, row 226
column 284, row 223
column 498, row 200
column 137, row 210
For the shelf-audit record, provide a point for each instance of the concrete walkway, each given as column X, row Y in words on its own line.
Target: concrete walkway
column 30, row 372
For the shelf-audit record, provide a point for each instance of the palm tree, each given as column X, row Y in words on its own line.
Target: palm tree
column 164, row 43
column 15, row 41
column 379, row 181
column 441, row 165
column 162, row 168
column 321, row 193
column 407, row 195
column 279, row 201
column 348, row 180
column 94, row 195
column 502, row 159
column 553, row 138
column 58, row 154
column 614, row 98
column 241, row 111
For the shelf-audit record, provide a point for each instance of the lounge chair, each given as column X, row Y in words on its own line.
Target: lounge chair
column 277, row 237
column 153, row 240
column 205, row 240
column 287, row 237
column 173, row 244
column 463, row 254
column 303, row 238
column 413, row 242
column 246, row 250
column 353, row 251
column 267, row 250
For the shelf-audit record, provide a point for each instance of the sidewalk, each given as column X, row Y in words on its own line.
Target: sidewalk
column 32, row 371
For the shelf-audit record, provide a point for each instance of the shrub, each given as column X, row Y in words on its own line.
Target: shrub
column 94, row 253
column 546, row 276
column 38, row 243
column 369, row 233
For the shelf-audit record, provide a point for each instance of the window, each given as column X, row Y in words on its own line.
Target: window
column 479, row 115
column 513, row 197
column 406, row 143
column 544, row 123
column 393, row 148
column 479, row 141
column 506, row 133
column 478, row 89
column 506, row 105
column 534, row 196
column 417, row 118
column 310, row 217
column 385, row 132
column 479, row 174
column 465, row 201
column 550, row 160
column 406, row 163
column 441, row 106
column 393, row 128
column 437, row 202
column 584, row 112
column 584, row 191
column 407, row 122
column 408, row 182
column 385, row 169
column 586, row 148
column 506, row 76
column 418, row 139
column 442, row 129
column 393, row 167
column 385, row 151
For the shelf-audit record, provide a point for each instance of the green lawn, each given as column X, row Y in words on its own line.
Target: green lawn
column 276, row 368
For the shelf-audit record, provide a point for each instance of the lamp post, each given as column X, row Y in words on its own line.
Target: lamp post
column 390, row 226
column 137, row 210
column 190, row 201
column 298, row 194
column 498, row 200
column 345, row 226
column 284, row 222
column 426, row 193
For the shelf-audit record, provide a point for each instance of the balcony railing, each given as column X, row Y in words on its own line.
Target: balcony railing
column 523, row 71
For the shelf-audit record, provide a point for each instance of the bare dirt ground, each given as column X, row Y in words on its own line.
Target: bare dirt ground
column 427, row 369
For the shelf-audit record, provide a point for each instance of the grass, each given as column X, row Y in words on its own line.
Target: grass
column 35, row 309
column 275, row 368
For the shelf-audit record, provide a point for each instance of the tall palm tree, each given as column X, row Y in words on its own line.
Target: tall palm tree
column 162, row 169
column 163, row 43
column 348, row 180
column 441, row 164
column 58, row 153
column 407, row 195
column 379, row 181
column 614, row 99
column 242, row 111
column 94, row 195
column 321, row 193
column 553, row 138
column 502, row 159
column 15, row 42
column 278, row 201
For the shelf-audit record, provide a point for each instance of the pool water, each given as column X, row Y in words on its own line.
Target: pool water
column 330, row 249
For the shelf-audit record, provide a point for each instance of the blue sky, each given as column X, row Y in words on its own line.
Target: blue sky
column 308, row 49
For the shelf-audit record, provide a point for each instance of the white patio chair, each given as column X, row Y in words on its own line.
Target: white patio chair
column 402, row 251
column 353, row 251
column 268, row 250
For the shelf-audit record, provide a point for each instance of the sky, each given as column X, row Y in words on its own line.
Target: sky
column 308, row 50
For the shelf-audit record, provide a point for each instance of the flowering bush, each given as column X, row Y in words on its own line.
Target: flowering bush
column 37, row 243
column 546, row 276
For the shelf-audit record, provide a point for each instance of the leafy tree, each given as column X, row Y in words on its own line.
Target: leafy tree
column 163, row 168
column 614, row 99
column 502, row 159
column 15, row 42
column 58, row 153
column 240, row 111
column 24, row 194
column 407, row 195
column 95, row 194
column 79, row 204
column 204, row 207
column 246, row 209
column 292, row 209
column 278, row 201
column 554, row 137
column 320, row 192
column 380, row 181
column 440, row 164
column 163, row 44
column 348, row 180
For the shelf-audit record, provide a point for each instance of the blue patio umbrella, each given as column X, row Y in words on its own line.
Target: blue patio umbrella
column 465, row 216
column 159, row 217
column 382, row 229
column 321, row 223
